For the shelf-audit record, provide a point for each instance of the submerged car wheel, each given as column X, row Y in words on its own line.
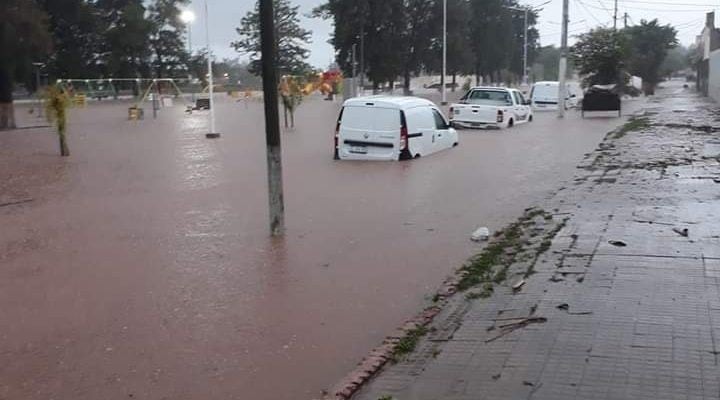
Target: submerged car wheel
column 530, row 118
column 511, row 123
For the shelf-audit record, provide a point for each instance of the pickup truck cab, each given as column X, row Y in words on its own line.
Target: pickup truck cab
column 490, row 107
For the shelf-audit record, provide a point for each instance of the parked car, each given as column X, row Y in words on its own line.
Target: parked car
column 391, row 128
column 544, row 95
column 490, row 107
column 602, row 98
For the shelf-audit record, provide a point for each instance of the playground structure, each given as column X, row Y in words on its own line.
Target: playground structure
column 160, row 91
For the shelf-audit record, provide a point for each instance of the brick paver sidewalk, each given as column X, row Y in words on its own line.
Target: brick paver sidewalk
column 639, row 321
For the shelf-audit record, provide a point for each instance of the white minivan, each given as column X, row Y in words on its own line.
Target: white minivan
column 391, row 128
column 544, row 95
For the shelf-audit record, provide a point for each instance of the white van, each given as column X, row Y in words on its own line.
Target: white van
column 544, row 95
column 391, row 128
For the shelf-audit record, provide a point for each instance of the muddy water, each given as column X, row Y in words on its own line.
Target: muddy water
column 142, row 267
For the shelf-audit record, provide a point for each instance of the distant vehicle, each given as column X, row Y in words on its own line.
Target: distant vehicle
column 391, row 128
column 438, row 85
column 601, row 98
column 544, row 95
column 491, row 107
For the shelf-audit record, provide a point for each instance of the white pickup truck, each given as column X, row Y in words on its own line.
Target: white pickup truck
column 490, row 107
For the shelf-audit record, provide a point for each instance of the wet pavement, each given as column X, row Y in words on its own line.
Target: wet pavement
column 140, row 267
column 625, row 303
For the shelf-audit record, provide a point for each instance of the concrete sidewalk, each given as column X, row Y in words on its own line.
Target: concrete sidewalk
column 622, row 306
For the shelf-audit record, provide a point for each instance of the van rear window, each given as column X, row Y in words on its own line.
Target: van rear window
column 370, row 118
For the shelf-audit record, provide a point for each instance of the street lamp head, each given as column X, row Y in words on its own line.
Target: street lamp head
column 187, row 16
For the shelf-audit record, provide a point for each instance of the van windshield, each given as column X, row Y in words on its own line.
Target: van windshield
column 370, row 118
column 488, row 97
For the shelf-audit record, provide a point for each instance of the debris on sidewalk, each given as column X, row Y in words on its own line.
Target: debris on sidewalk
column 518, row 285
column 480, row 234
column 566, row 307
column 682, row 232
column 511, row 327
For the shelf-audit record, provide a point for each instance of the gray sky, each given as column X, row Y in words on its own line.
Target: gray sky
column 686, row 15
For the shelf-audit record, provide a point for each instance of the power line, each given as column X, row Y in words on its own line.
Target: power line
column 584, row 6
column 664, row 3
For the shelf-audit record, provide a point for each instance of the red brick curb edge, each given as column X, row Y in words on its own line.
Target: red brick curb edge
column 379, row 356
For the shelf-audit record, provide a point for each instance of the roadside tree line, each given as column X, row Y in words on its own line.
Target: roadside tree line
column 402, row 38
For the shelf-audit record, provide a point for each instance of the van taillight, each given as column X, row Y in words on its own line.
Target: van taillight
column 500, row 116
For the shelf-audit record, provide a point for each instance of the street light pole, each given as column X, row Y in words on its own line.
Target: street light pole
column 213, row 133
column 444, row 54
column 353, row 92
column 272, row 119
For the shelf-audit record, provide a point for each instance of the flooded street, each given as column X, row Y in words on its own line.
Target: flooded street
column 141, row 267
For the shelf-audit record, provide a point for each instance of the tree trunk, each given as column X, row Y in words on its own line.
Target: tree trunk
column 7, row 116
column 285, row 112
column 648, row 88
column 7, row 110
column 64, row 150
column 62, row 127
column 454, row 80
column 292, row 118
column 406, row 83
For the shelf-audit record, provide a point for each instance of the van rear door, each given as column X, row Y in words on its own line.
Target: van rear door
column 369, row 133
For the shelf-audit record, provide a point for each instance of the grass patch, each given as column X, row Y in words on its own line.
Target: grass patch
column 480, row 268
column 634, row 124
column 407, row 344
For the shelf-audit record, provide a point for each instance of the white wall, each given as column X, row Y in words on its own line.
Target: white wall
column 714, row 76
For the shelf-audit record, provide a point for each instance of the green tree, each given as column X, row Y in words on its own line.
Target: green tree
column 76, row 30
column 548, row 58
column 676, row 60
column 24, row 38
column 599, row 56
column 291, row 39
column 417, row 37
column 459, row 53
column 126, row 53
column 166, row 38
column 648, row 45
column 490, row 42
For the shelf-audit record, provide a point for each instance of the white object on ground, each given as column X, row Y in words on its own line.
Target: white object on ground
column 481, row 233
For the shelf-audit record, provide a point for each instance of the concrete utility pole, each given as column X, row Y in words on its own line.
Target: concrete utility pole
column 444, row 54
column 525, row 45
column 272, row 119
column 615, row 17
column 213, row 134
column 625, row 20
column 563, row 61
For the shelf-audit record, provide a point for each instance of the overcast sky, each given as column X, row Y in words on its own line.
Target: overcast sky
column 687, row 16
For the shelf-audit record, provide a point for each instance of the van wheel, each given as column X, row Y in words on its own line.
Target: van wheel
column 530, row 118
column 511, row 123
column 417, row 155
column 455, row 144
